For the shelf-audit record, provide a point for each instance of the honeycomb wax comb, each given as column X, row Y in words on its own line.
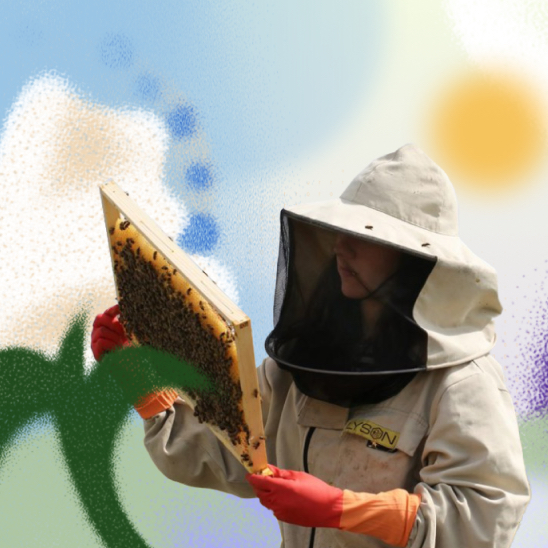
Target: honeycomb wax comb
column 166, row 301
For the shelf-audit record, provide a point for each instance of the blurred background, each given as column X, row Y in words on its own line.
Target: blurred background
column 214, row 116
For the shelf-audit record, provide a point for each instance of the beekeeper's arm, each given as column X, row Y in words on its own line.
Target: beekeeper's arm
column 474, row 489
column 182, row 448
column 186, row 451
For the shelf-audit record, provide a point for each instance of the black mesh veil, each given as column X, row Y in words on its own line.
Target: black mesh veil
column 319, row 335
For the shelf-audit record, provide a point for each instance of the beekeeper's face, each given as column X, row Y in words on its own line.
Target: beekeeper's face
column 363, row 265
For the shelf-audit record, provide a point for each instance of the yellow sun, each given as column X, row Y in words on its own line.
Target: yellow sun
column 489, row 129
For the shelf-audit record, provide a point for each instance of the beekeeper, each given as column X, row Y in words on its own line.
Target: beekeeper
column 388, row 422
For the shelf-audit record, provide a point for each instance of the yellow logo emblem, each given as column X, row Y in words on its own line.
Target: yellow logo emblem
column 373, row 432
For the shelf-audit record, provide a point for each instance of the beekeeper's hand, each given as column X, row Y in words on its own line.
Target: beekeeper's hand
column 298, row 497
column 107, row 333
column 302, row 499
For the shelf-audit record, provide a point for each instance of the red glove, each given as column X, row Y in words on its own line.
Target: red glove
column 299, row 498
column 302, row 499
column 107, row 333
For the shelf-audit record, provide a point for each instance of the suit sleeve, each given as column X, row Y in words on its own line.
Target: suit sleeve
column 473, row 486
column 186, row 451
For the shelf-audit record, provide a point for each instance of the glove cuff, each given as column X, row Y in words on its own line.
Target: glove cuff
column 388, row 516
column 155, row 403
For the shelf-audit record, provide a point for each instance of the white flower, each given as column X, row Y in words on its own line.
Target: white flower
column 55, row 149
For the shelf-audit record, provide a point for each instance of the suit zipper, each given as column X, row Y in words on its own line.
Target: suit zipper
column 305, row 467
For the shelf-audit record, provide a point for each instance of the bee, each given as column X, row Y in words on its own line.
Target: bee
column 124, row 225
column 425, row 245
column 370, row 227
column 188, row 290
column 255, row 393
column 256, row 445
column 111, row 230
column 154, row 255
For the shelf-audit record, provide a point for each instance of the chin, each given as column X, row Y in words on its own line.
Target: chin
column 353, row 292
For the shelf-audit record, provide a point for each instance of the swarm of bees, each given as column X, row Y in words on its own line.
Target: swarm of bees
column 158, row 307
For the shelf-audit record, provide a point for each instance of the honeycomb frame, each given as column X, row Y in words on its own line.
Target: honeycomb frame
column 138, row 247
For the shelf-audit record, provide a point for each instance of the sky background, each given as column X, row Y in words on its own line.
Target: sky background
column 214, row 116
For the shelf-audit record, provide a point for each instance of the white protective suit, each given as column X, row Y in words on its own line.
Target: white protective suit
column 448, row 432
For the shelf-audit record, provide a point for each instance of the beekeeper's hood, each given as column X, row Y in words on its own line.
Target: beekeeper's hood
column 438, row 307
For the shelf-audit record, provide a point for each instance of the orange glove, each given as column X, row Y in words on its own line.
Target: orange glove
column 302, row 499
column 107, row 334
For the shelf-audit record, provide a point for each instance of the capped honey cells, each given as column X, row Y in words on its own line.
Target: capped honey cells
column 161, row 309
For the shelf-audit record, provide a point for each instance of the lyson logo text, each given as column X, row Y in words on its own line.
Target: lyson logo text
column 373, row 432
